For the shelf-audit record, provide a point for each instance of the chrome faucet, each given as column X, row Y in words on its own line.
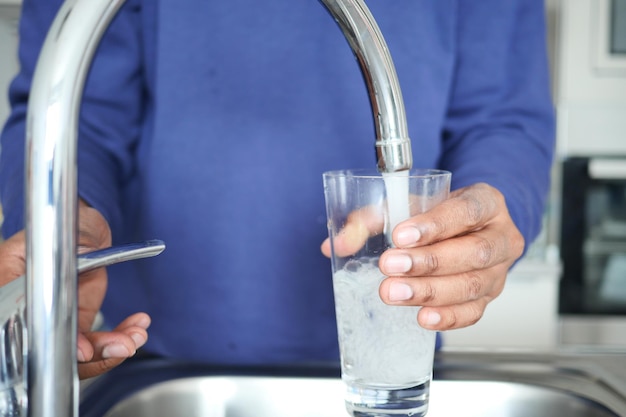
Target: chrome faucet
column 51, row 176
column 393, row 146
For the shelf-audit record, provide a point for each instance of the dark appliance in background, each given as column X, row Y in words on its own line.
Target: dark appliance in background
column 593, row 236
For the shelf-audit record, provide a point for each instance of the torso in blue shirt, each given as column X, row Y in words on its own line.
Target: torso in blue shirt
column 252, row 105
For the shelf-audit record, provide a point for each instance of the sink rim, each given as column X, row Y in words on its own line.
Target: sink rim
column 542, row 371
column 167, row 393
column 101, row 393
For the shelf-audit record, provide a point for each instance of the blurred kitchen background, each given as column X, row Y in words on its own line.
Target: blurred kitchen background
column 569, row 292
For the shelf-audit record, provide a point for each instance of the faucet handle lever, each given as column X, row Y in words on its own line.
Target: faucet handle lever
column 120, row 253
column 12, row 325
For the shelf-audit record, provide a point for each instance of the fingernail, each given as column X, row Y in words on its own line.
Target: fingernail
column 144, row 322
column 407, row 236
column 398, row 263
column 139, row 340
column 115, row 351
column 400, row 292
column 80, row 356
column 432, row 318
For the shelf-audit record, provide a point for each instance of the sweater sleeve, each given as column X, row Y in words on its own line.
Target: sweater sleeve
column 499, row 127
column 110, row 113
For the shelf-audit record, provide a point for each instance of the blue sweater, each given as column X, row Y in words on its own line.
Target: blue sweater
column 208, row 124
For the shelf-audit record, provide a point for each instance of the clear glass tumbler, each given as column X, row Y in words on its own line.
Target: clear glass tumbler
column 386, row 357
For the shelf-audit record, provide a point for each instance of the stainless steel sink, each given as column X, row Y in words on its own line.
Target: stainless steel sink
column 306, row 397
column 465, row 384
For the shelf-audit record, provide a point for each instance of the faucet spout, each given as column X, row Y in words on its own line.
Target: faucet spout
column 51, row 204
column 393, row 146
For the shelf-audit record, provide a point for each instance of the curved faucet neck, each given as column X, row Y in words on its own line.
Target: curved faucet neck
column 393, row 146
column 51, row 204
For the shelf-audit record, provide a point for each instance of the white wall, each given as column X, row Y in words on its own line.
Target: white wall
column 8, row 53
column 9, row 12
column 591, row 83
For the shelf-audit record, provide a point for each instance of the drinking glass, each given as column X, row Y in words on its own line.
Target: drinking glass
column 386, row 357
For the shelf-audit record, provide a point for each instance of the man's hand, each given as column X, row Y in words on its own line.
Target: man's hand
column 12, row 258
column 452, row 260
column 97, row 351
column 100, row 351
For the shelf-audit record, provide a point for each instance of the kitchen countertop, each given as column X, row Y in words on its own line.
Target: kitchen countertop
column 600, row 376
column 610, row 366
